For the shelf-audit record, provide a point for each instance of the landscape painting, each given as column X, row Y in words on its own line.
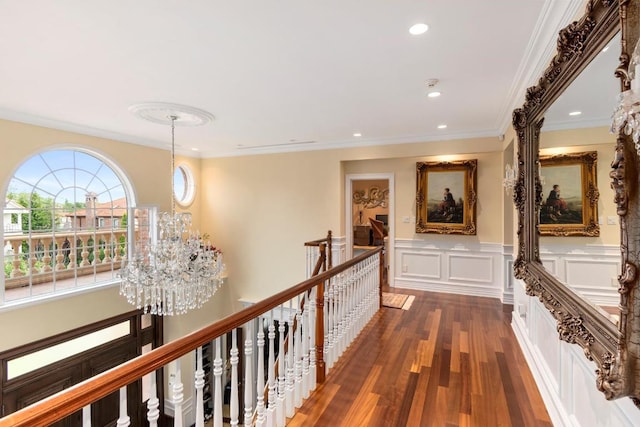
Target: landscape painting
column 569, row 194
column 446, row 197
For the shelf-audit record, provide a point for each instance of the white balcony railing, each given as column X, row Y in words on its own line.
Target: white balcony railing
column 39, row 258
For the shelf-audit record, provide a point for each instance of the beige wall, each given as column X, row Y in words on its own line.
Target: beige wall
column 260, row 209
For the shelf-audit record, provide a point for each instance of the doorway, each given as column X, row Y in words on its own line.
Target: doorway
column 358, row 212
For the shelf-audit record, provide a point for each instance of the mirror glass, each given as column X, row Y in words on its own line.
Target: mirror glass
column 575, row 126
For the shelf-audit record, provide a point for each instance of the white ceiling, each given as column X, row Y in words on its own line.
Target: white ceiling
column 275, row 74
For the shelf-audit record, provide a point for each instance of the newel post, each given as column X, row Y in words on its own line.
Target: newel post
column 329, row 245
column 320, row 365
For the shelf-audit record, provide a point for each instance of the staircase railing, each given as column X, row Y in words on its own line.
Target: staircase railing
column 321, row 315
column 319, row 255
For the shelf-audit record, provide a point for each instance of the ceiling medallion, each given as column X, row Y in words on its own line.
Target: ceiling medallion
column 162, row 113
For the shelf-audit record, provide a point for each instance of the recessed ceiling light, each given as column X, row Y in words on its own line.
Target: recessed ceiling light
column 575, row 113
column 442, row 126
column 357, row 134
column 194, row 149
column 606, row 48
column 434, row 94
column 418, row 29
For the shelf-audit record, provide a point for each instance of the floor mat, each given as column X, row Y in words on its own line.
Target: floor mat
column 393, row 300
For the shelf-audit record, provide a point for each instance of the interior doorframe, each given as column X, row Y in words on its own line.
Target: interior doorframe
column 390, row 177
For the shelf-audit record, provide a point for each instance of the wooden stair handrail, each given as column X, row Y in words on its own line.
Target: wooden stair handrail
column 74, row 398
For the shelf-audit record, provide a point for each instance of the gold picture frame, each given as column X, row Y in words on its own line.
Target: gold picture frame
column 569, row 205
column 446, row 197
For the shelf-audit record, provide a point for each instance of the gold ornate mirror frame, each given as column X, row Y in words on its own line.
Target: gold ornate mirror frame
column 615, row 350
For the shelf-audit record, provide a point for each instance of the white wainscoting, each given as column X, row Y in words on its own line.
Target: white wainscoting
column 565, row 378
column 591, row 270
column 481, row 269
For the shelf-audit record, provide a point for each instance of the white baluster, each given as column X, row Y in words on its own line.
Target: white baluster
column 153, row 404
column 271, row 409
column 123, row 419
column 312, row 339
column 86, row 416
column 199, row 383
column 297, row 353
column 178, row 397
column 217, row 378
column 335, row 291
column 328, row 328
column 305, row 346
column 290, row 371
column 354, row 311
column 350, row 316
column 260, row 378
column 280, row 413
column 338, row 321
column 248, row 375
column 234, row 403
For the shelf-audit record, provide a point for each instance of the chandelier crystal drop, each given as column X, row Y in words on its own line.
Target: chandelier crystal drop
column 180, row 270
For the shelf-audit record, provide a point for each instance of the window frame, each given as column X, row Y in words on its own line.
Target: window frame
column 129, row 194
column 189, row 185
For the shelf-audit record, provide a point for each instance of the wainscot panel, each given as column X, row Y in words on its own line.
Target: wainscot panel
column 469, row 269
column 568, row 389
column 592, row 270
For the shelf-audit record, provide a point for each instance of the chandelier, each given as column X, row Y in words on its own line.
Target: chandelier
column 179, row 270
column 626, row 117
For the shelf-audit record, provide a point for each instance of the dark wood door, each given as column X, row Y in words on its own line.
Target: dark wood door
column 23, row 390
column 24, row 393
column 44, row 382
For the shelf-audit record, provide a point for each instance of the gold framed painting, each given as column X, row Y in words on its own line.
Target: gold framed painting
column 569, row 195
column 446, row 197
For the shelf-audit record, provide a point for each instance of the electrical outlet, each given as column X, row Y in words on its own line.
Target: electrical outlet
column 405, row 219
column 612, row 220
column 522, row 310
column 600, row 220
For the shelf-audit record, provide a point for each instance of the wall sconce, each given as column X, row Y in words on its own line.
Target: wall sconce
column 627, row 114
column 510, row 178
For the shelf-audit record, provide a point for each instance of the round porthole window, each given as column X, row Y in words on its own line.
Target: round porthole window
column 183, row 185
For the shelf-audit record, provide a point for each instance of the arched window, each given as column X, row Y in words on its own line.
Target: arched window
column 65, row 224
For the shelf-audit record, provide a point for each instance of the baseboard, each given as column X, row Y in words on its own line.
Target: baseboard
column 449, row 288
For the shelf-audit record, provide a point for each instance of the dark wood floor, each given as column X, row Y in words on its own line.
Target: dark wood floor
column 449, row 360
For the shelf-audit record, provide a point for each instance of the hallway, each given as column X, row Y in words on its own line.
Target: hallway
column 450, row 360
